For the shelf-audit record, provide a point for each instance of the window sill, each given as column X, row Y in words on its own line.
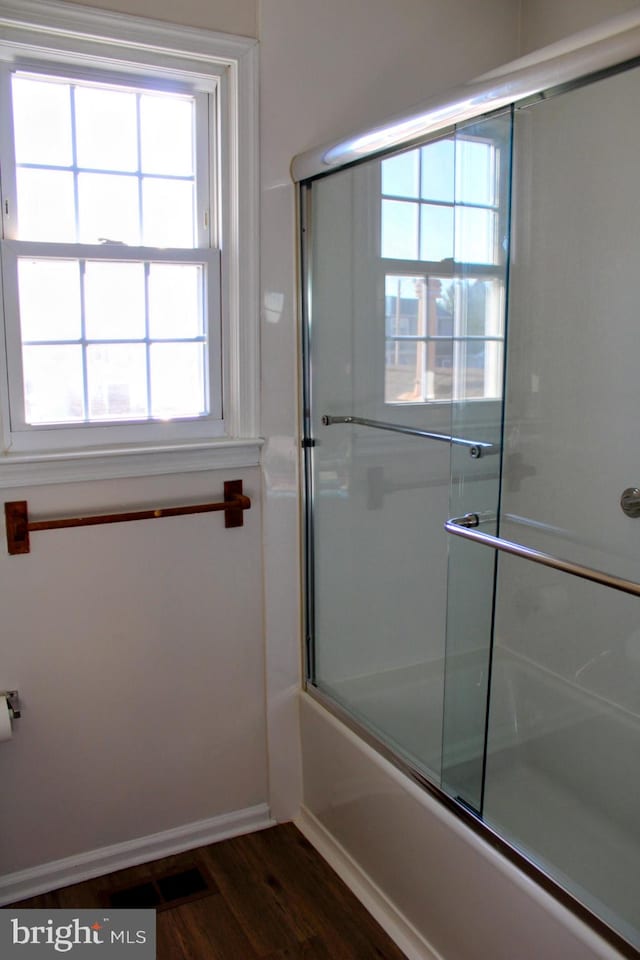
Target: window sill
column 19, row 469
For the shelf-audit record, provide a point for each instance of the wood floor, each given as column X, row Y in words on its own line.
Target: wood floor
column 269, row 896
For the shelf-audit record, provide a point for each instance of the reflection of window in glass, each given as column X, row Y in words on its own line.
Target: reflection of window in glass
column 115, row 325
column 440, row 202
column 444, row 338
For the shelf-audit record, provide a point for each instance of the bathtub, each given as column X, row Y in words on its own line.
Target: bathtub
column 440, row 888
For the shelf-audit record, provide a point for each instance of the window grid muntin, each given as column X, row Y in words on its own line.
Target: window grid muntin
column 199, row 188
column 84, row 342
column 208, row 338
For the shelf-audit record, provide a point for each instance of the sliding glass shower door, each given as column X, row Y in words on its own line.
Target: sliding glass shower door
column 557, row 773
column 473, row 498
column 405, row 342
column 563, row 777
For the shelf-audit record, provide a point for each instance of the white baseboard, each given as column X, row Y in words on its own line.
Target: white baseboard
column 401, row 930
column 95, row 863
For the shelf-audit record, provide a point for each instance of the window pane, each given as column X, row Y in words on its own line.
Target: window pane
column 481, row 313
column 46, row 205
column 399, row 230
column 404, row 371
column 437, row 232
column 472, row 373
column 177, row 380
column 106, row 129
column 175, row 300
column 400, row 175
column 493, row 368
column 473, row 312
column 442, row 307
column 439, row 370
column 404, row 306
column 53, row 384
column 476, row 235
column 108, row 208
column 42, row 122
column 475, row 172
column 438, row 171
column 49, row 299
column 114, row 301
column 117, row 381
column 441, row 310
column 166, row 134
column 167, row 213
column 479, row 369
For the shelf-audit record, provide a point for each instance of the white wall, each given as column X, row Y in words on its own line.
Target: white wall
column 137, row 648
column 545, row 21
column 226, row 16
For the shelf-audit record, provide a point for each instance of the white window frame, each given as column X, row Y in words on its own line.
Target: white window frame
column 38, row 34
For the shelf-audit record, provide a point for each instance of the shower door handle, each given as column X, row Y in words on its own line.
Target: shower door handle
column 477, row 448
column 466, row 527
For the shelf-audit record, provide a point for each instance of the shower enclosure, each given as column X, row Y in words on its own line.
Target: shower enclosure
column 471, row 344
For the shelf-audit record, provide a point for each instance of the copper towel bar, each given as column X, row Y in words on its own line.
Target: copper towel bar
column 19, row 526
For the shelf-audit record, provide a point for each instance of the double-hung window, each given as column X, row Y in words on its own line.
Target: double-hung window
column 111, row 286
column 117, row 179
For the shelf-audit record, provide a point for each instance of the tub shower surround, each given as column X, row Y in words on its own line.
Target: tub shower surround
column 469, row 277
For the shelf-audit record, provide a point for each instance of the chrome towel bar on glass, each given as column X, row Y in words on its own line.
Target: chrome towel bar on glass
column 476, row 448
column 464, row 527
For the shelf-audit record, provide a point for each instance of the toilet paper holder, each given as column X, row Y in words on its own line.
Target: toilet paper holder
column 13, row 702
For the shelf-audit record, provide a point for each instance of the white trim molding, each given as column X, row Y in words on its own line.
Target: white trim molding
column 116, row 464
column 32, row 17
column 119, row 856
